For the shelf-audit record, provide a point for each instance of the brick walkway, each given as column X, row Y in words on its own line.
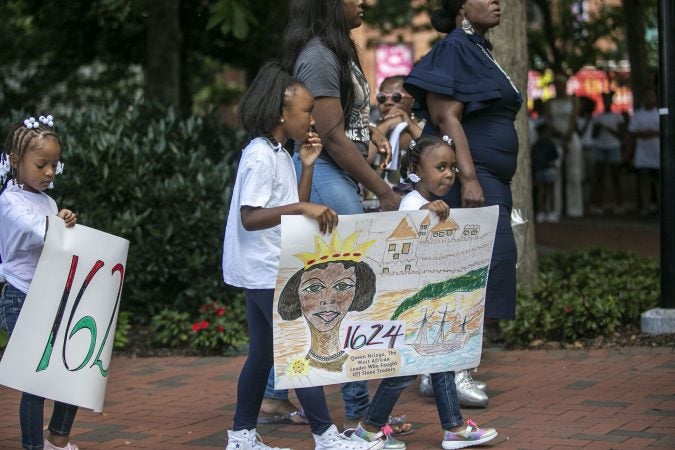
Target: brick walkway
column 596, row 399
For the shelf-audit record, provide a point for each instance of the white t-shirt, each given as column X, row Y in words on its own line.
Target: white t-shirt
column 23, row 224
column 605, row 138
column 265, row 178
column 647, row 151
column 412, row 201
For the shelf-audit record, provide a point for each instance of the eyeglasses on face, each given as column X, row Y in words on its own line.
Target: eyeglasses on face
column 396, row 97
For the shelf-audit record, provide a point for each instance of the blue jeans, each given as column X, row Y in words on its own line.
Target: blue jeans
column 333, row 187
column 31, row 408
column 445, row 393
column 256, row 369
column 270, row 392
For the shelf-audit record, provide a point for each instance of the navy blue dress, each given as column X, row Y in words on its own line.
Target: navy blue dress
column 457, row 67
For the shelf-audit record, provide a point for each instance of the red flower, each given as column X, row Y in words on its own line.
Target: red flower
column 220, row 311
column 195, row 327
column 203, row 324
column 220, row 328
column 567, row 309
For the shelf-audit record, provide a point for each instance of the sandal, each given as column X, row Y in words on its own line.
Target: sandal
column 400, row 425
column 292, row 418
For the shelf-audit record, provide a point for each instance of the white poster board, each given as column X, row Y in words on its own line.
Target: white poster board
column 387, row 294
column 62, row 343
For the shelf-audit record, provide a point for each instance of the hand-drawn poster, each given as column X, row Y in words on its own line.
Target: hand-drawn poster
column 385, row 294
column 62, row 342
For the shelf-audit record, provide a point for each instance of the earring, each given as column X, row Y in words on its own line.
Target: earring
column 281, row 120
column 466, row 26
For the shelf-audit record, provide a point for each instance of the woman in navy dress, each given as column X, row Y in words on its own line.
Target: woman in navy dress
column 469, row 97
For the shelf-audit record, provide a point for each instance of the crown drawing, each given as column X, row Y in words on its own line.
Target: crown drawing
column 335, row 250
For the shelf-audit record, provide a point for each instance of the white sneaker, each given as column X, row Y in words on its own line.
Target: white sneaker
column 49, row 446
column 332, row 439
column 246, row 440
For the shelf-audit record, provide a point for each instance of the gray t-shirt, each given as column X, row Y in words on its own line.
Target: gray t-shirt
column 319, row 69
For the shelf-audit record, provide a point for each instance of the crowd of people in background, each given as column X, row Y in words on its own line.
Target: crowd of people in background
column 586, row 163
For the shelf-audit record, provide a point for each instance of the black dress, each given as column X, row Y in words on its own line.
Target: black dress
column 460, row 66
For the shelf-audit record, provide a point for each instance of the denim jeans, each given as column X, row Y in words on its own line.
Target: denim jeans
column 270, row 392
column 445, row 393
column 31, row 408
column 333, row 187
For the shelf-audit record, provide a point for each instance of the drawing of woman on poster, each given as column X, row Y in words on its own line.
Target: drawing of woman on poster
column 332, row 282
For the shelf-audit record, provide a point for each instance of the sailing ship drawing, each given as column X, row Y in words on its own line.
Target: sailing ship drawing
column 445, row 341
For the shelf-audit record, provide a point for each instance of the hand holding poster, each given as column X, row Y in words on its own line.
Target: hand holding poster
column 62, row 343
column 386, row 294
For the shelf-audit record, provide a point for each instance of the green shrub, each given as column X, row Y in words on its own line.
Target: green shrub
column 122, row 330
column 584, row 294
column 214, row 329
column 162, row 182
column 170, row 328
column 4, row 338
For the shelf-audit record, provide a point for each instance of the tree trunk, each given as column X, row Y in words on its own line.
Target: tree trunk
column 163, row 52
column 510, row 42
column 635, row 41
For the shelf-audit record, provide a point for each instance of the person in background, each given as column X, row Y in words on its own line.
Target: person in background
column 607, row 130
column 28, row 165
column 585, row 132
column 561, row 116
column 468, row 96
column 397, row 122
column 644, row 127
column 544, row 173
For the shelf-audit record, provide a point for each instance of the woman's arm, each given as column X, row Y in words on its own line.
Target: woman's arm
column 330, row 126
column 446, row 114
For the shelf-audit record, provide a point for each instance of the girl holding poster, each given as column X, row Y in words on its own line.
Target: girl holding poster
column 431, row 166
column 28, row 165
column 275, row 108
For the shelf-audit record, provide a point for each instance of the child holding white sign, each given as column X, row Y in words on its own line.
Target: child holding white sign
column 275, row 108
column 430, row 164
column 28, row 165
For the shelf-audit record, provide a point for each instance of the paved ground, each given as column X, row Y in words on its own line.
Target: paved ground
column 591, row 399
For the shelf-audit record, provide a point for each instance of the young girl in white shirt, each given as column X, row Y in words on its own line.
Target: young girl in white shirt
column 431, row 165
column 28, row 165
column 275, row 108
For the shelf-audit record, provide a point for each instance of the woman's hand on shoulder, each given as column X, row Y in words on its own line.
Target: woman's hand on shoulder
column 472, row 194
column 68, row 216
column 310, row 149
column 326, row 217
column 439, row 207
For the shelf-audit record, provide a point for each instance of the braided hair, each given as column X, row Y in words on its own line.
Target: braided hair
column 19, row 140
column 410, row 162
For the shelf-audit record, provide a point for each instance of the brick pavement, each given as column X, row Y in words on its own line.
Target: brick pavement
column 593, row 399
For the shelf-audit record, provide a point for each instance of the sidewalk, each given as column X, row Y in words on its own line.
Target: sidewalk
column 621, row 398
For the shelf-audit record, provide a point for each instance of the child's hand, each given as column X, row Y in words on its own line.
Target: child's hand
column 68, row 216
column 439, row 207
column 310, row 149
column 326, row 217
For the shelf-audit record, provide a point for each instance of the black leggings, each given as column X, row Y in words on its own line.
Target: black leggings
column 253, row 377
